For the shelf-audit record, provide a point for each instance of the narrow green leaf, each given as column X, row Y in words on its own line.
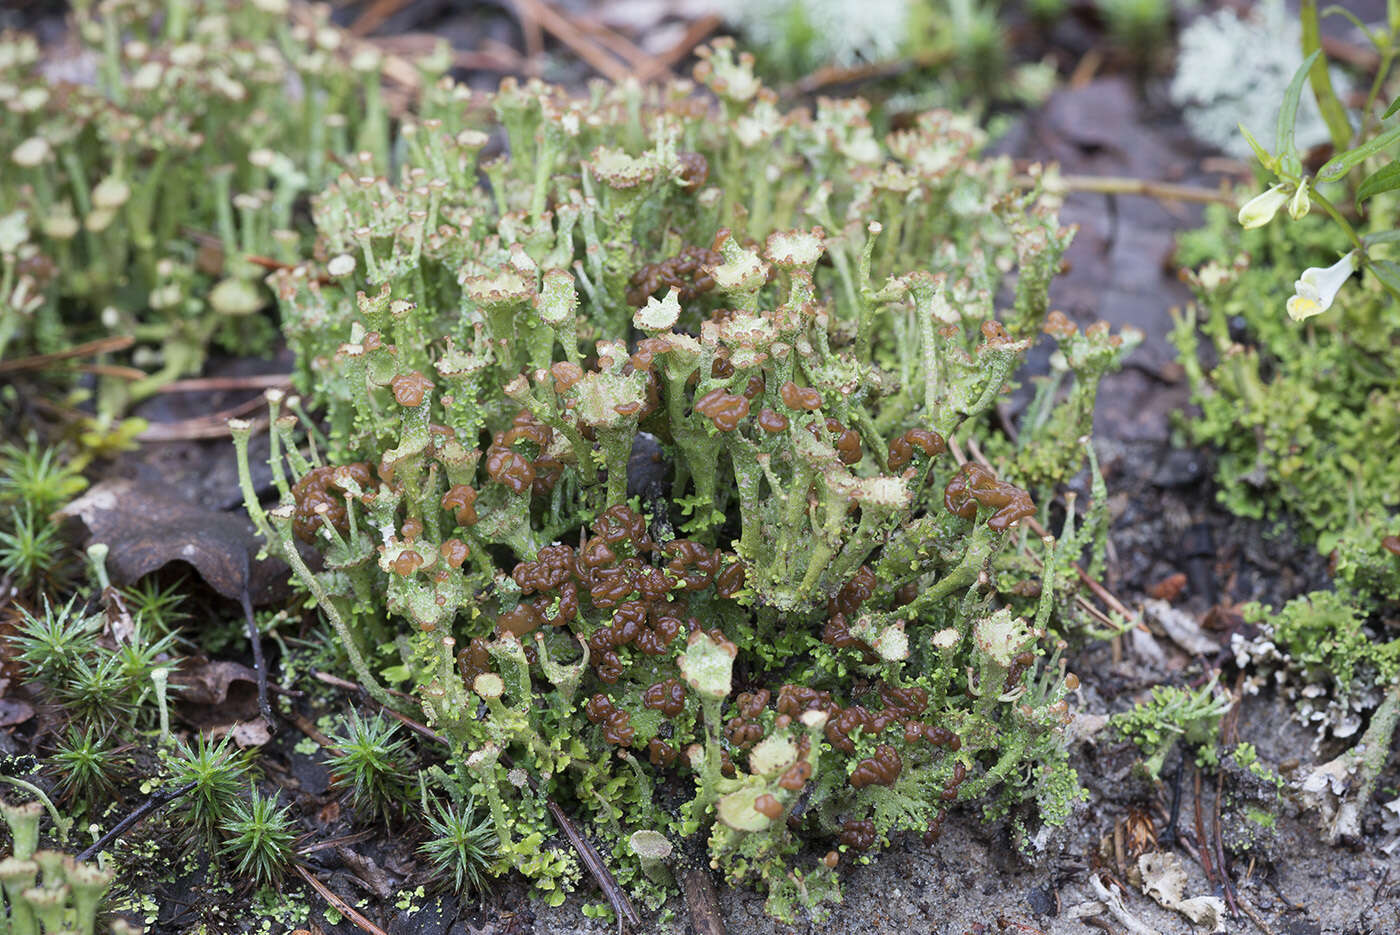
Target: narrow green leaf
column 1376, row 38
column 1333, row 113
column 1288, row 113
column 1381, row 237
column 1343, row 163
column 1387, row 273
column 1384, row 179
column 1266, row 159
column 1390, row 111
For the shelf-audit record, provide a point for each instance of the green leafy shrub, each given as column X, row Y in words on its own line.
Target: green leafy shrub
column 1175, row 714
column 1300, row 398
column 797, row 627
column 1305, row 420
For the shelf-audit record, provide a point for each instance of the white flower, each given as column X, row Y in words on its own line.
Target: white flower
column 32, row 152
column 1260, row 210
column 1318, row 286
column 1301, row 204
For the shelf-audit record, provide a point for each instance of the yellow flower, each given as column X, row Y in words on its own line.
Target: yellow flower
column 1319, row 285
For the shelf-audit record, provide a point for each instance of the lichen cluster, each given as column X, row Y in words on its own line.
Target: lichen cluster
column 151, row 178
column 639, row 470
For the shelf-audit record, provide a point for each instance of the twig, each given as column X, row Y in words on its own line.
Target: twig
column 591, row 859
column 42, row 361
column 834, row 74
column 336, row 681
column 1254, row 916
column 303, row 723
column 560, row 28
column 113, row 370
column 699, row 889
column 260, row 381
column 1201, row 839
column 1227, row 884
column 621, row 46
column 340, row 905
column 1170, row 835
column 158, row 800
column 214, row 425
column 531, row 32
column 374, row 15
column 1114, row 902
column 1147, row 188
column 259, row 663
column 1084, row 72
column 696, row 33
column 341, row 841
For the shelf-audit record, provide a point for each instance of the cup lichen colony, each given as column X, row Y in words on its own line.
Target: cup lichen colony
column 639, row 471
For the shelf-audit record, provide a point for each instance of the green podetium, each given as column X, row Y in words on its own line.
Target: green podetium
column 46, row 891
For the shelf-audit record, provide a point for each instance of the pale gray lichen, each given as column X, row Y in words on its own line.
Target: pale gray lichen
column 842, row 32
column 1232, row 70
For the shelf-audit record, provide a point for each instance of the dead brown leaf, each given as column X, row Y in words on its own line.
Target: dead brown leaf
column 14, row 711
column 146, row 528
column 216, row 694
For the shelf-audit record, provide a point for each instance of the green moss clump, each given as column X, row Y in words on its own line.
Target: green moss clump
column 1175, row 714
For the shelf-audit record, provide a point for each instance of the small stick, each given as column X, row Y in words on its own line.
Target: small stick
column 344, row 839
column 699, row 889
column 1147, row 188
column 1201, row 839
column 1086, row 69
column 41, row 361
column 1170, row 834
column 259, row 663
column 113, row 370
column 591, row 859
column 374, row 15
column 200, row 384
column 340, row 905
column 336, row 681
column 1220, row 853
column 618, row 45
column 696, row 33
column 1254, row 917
column 838, row 74
column 214, row 425
column 158, row 800
column 303, row 723
column 560, row 28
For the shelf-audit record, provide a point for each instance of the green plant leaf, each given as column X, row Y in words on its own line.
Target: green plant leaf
column 1390, row 111
column 1380, row 237
column 1384, row 179
column 1288, row 114
column 1333, row 113
column 1376, row 38
column 1343, row 163
column 1265, row 158
column 1387, row 272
